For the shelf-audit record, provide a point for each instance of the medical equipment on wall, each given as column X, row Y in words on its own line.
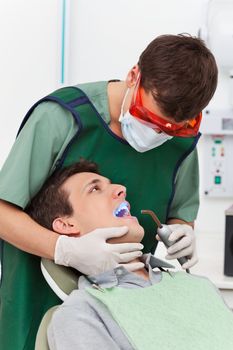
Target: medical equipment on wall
column 164, row 232
column 217, row 124
column 218, row 169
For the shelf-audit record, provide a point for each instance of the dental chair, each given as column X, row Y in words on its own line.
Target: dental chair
column 63, row 280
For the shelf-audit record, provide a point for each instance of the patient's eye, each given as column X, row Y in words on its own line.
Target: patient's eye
column 94, row 188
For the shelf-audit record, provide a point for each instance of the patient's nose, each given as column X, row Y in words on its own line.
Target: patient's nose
column 119, row 191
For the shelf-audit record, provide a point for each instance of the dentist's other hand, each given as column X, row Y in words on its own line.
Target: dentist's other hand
column 91, row 254
column 184, row 244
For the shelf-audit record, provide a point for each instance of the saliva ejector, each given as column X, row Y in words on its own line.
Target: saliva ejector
column 164, row 232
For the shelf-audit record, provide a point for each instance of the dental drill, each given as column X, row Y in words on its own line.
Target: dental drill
column 164, row 232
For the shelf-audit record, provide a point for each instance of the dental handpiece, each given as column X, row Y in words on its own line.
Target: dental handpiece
column 164, row 232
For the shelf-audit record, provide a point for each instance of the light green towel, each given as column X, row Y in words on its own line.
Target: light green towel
column 183, row 312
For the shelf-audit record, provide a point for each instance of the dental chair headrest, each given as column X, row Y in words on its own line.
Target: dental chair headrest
column 62, row 280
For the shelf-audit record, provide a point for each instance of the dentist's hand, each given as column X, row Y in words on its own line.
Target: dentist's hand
column 91, row 254
column 185, row 245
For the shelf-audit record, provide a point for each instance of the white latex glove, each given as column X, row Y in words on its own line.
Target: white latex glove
column 92, row 255
column 185, row 245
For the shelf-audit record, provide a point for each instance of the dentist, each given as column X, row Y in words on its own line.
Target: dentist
column 142, row 132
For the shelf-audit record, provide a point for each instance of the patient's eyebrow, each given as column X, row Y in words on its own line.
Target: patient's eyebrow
column 95, row 181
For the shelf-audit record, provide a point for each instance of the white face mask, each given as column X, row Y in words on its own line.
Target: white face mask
column 140, row 136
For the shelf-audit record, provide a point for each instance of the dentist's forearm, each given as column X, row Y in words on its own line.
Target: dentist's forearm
column 179, row 221
column 18, row 229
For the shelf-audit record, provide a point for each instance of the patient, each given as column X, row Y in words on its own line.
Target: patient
column 176, row 311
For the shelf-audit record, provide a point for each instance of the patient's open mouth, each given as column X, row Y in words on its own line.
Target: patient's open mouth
column 122, row 210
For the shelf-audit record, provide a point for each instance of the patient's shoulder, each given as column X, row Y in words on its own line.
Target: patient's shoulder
column 80, row 300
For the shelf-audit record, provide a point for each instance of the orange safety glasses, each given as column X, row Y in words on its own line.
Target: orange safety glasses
column 188, row 129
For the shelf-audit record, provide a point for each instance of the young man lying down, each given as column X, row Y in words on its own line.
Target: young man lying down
column 145, row 309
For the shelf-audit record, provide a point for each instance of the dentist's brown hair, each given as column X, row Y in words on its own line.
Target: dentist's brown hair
column 181, row 73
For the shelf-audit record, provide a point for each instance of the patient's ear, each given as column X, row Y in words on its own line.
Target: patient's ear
column 65, row 226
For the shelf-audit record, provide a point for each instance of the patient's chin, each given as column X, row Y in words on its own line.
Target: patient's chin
column 132, row 236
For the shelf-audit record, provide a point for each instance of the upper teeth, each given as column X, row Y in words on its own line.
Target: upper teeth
column 122, row 210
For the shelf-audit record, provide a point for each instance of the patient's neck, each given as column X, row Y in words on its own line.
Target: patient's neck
column 142, row 272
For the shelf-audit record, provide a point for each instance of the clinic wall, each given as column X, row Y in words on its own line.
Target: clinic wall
column 29, row 41
column 106, row 38
column 108, row 43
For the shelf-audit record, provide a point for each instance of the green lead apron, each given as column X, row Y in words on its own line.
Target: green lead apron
column 149, row 178
column 183, row 312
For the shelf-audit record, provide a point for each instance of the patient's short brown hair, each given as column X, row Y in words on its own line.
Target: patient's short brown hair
column 52, row 201
column 181, row 73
